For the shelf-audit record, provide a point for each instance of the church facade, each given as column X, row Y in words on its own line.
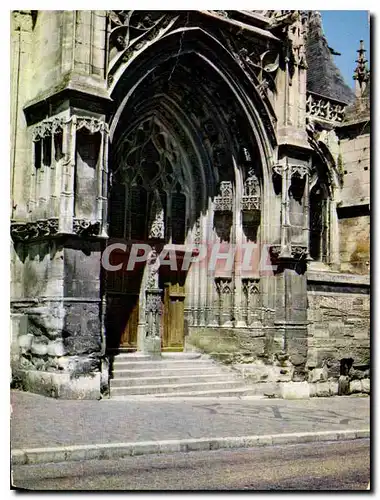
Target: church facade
column 186, row 181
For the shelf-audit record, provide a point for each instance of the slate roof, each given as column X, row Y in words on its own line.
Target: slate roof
column 323, row 76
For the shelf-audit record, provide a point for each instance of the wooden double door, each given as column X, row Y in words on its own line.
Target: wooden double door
column 124, row 310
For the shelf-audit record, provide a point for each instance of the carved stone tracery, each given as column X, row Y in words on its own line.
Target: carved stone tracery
column 223, row 202
column 47, row 128
column 27, row 231
column 251, row 196
column 44, row 228
column 326, row 109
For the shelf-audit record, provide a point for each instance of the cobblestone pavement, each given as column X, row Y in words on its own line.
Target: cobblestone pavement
column 38, row 421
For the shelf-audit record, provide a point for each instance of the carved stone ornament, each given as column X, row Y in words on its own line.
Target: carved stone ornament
column 251, row 196
column 197, row 232
column 297, row 32
column 280, row 169
column 222, row 13
column 274, row 252
column 279, row 17
column 153, row 301
column 250, row 286
column 299, row 252
column 299, row 171
column 85, row 227
column 224, row 286
column 29, row 231
column 131, row 30
column 156, row 219
column 223, row 202
column 153, row 263
column 47, row 128
column 91, row 124
column 326, row 109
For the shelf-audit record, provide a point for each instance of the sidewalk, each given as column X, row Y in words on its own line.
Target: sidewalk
column 41, row 422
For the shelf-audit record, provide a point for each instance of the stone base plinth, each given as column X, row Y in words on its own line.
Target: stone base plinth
column 61, row 385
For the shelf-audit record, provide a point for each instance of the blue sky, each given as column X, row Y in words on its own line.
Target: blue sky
column 344, row 29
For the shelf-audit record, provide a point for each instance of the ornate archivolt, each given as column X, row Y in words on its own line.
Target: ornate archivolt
column 131, row 31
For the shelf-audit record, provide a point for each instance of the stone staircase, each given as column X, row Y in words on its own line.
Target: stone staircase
column 135, row 375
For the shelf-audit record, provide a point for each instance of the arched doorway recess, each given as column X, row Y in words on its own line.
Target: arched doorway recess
column 184, row 161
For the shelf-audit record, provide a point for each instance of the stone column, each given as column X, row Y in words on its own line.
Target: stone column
column 153, row 310
column 68, row 175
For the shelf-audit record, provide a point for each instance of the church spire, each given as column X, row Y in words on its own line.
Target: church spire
column 361, row 73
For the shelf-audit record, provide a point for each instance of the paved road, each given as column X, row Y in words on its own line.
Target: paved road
column 325, row 466
column 39, row 422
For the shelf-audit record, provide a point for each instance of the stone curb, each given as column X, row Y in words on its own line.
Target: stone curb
column 119, row 450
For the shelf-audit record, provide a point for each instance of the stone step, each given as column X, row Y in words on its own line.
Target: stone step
column 171, row 356
column 214, row 393
column 174, row 388
column 181, row 355
column 165, row 372
column 186, row 363
column 165, row 380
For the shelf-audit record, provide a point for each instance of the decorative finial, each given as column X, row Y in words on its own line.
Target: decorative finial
column 361, row 73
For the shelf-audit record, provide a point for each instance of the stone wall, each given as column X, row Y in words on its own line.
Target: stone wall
column 355, row 151
column 339, row 334
column 354, row 239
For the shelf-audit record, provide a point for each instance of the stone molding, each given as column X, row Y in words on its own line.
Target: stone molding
column 28, row 231
column 51, row 126
column 47, row 228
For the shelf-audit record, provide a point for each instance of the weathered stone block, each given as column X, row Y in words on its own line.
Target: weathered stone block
column 61, row 385
column 355, row 386
column 25, row 342
column 295, row 390
column 323, row 389
column 39, row 346
column 56, row 348
column 334, row 387
column 318, row 374
column 366, row 385
column 82, row 345
column 343, row 385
